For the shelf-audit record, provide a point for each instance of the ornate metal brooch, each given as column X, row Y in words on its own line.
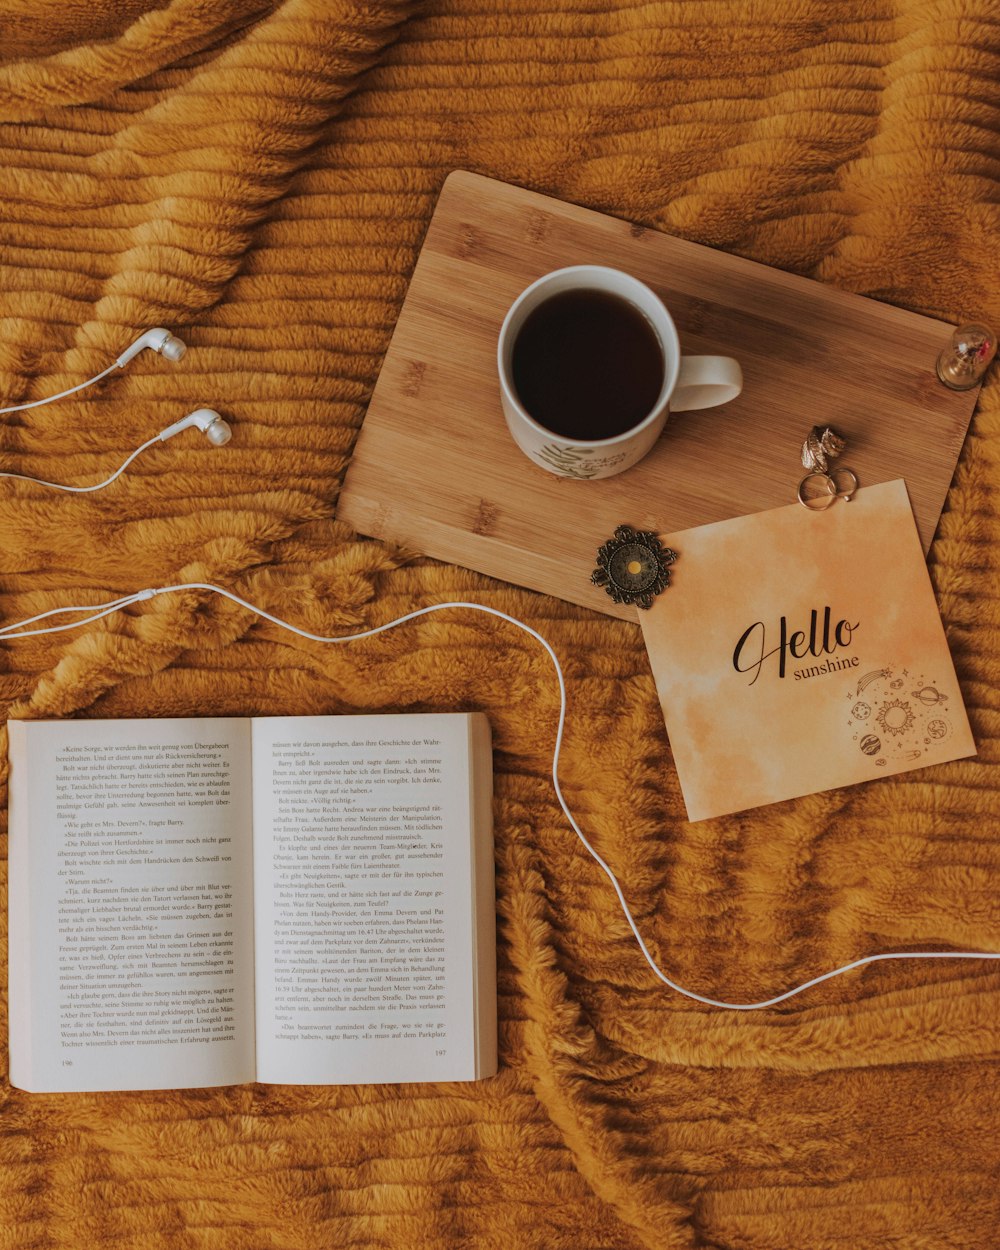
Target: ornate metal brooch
column 633, row 567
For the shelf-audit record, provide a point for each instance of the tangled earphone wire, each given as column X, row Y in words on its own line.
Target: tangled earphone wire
column 97, row 612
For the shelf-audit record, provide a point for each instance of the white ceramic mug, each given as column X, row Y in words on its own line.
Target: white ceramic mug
column 689, row 382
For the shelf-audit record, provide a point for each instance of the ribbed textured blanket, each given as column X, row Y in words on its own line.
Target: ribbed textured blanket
column 258, row 176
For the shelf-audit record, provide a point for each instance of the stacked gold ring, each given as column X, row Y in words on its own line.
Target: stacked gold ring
column 820, row 447
column 834, row 489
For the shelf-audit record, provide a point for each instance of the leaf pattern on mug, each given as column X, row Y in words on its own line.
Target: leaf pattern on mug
column 569, row 461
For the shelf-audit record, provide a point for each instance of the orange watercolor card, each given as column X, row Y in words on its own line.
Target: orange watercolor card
column 799, row 651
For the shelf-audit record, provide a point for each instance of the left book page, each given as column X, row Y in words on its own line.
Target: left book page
column 131, row 904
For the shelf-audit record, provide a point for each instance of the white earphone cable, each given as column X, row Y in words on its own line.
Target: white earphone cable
column 51, row 399
column 96, row 612
column 207, row 420
column 83, row 490
column 156, row 339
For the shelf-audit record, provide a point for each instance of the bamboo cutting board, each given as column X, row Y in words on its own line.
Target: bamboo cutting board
column 435, row 468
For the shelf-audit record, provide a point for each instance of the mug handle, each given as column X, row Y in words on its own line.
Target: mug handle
column 706, row 381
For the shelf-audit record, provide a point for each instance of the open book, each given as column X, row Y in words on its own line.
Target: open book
column 211, row 901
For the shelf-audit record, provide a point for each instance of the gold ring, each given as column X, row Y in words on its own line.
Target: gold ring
column 820, row 503
column 838, row 490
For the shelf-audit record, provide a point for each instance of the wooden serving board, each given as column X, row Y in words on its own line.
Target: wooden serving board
column 435, row 468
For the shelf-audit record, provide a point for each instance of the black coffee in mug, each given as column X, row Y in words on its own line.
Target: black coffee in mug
column 587, row 365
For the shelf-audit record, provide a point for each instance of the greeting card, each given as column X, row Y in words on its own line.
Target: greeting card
column 799, row 651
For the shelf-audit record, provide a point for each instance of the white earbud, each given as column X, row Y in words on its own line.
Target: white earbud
column 207, row 420
column 160, row 340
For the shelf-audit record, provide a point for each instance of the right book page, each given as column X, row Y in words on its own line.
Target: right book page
column 374, row 899
column 796, row 652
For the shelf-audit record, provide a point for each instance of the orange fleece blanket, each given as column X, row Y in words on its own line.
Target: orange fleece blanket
column 258, row 176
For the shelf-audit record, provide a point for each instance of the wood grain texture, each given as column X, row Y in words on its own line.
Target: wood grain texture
column 436, row 469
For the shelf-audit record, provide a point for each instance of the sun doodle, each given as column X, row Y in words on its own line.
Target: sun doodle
column 895, row 717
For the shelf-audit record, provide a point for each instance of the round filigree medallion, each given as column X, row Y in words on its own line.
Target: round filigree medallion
column 633, row 567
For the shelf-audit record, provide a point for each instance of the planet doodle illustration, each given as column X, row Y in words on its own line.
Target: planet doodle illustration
column 870, row 677
column 895, row 717
column 929, row 696
column 893, row 728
